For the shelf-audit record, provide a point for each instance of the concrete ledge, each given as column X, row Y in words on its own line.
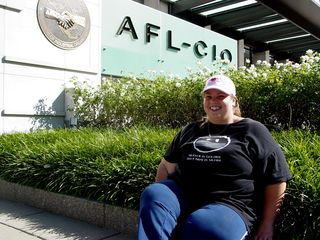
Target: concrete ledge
column 100, row 214
column 32, row 62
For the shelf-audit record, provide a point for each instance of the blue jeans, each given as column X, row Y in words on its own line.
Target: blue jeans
column 162, row 205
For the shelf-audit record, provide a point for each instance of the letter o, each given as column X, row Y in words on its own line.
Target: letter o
column 226, row 54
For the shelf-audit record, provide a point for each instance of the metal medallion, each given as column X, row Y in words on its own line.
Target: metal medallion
column 66, row 24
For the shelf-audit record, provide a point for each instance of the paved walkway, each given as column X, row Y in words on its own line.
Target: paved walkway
column 22, row 222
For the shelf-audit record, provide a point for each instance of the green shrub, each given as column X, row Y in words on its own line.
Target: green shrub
column 300, row 216
column 280, row 96
column 105, row 165
column 129, row 101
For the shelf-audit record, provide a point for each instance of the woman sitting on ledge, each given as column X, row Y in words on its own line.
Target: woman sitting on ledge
column 222, row 178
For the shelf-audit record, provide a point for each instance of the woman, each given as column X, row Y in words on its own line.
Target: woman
column 220, row 178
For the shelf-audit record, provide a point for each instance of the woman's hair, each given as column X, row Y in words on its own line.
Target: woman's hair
column 237, row 110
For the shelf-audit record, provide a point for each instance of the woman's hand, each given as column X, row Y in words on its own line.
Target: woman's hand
column 273, row 198
column 164, row 169
column 265, row 232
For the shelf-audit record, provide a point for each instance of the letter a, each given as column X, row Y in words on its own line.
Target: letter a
column 127, row 25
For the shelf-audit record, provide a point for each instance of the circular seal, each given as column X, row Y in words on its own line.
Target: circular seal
column 66, row 24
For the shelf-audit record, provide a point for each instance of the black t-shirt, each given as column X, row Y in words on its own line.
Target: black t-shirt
column 229, row 164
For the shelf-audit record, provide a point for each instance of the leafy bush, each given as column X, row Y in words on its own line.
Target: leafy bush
column 105, row 165
column 114, row 166
column 300, row 216
column 280, row 96
column 129, row 101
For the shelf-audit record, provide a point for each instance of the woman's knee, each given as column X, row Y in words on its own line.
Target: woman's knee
column 165, row 193
column 155, row 191
column 149, row 193
column 214, row 222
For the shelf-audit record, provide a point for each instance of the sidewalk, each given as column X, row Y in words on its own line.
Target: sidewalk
column 22, row 222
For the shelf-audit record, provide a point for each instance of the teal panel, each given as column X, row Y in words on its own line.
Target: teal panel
column 172, row 47
column 122, row 62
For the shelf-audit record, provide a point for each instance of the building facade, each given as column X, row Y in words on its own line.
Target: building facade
column 44, row 44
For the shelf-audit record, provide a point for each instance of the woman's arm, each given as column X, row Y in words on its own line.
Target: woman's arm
column 273, row 198
column 164, row 169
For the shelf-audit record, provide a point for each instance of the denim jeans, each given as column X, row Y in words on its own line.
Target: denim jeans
column 162, row 205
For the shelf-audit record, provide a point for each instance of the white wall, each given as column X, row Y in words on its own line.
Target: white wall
column 34, row 72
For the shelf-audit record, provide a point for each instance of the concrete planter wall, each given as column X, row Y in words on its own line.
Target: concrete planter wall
column 102, row 215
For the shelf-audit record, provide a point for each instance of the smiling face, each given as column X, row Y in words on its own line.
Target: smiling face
column 219, row 106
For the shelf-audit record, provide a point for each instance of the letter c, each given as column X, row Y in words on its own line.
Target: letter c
column 197, row 51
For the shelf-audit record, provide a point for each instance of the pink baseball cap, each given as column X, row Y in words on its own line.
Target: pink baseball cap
column 222, row 83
